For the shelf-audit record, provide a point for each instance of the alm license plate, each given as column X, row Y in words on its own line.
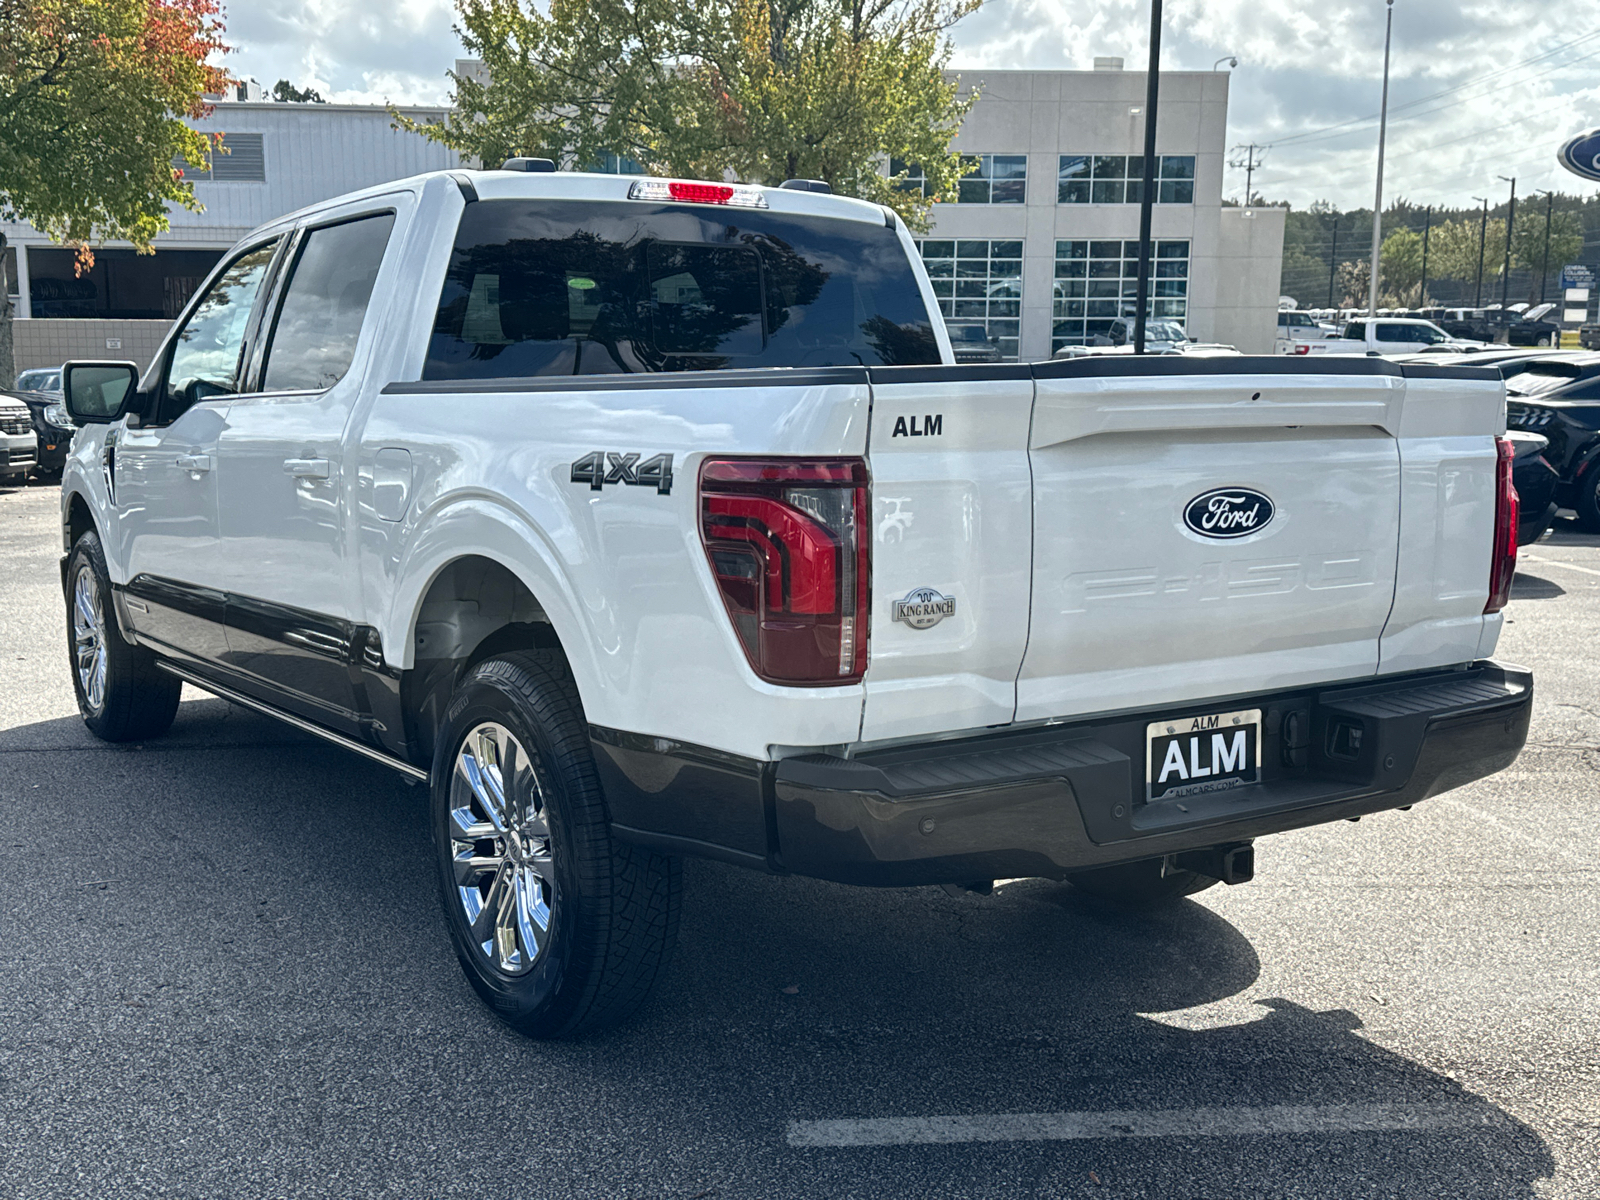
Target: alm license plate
column 1202, row 754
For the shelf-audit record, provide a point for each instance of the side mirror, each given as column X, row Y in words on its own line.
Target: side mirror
column 97, row 393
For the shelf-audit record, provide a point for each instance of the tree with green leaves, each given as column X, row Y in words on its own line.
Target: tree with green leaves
column 1400, row 265
column 1453, row 251
column 1528, row 245
column 286, row 93
column 93, row 94
column 765, row 90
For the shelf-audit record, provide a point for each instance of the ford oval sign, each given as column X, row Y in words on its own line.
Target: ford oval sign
column 1229, row 512
column 1581, row 155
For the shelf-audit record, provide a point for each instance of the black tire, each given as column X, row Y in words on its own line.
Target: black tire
column 1587, row 501
column 124, row 697
column 1140, row 884
column 611, row 909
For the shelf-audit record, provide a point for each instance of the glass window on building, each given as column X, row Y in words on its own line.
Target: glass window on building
column 1097, row 282
column 1119, row 179
column 616, row 164
column 978, row 282
column 122, row 283
column 995, row 179
column 914, row 181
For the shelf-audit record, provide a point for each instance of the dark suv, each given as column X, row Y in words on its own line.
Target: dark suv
column 972, row 344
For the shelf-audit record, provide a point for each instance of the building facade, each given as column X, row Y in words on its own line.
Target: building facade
column 1040, row 247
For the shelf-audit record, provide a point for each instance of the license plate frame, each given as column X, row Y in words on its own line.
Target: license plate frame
column 1204, row 746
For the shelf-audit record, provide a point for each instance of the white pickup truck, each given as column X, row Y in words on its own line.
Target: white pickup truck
column 1386, row 335
column 649, row 518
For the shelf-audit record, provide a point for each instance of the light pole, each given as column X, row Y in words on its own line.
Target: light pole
column 1483, row 233
column 1147, row 191
column 1333, row 259
column 1544, row 265
column 1511, row 220
column 1427, row 226
column 1231, row 59
column 1377, row 204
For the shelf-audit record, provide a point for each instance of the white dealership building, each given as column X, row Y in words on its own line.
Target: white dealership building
column 1040, row 247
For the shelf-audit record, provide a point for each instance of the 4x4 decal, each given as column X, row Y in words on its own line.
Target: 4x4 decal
column 603, row 467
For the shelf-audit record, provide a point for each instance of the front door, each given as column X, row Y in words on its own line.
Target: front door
column 283, row 491
column 163, row 471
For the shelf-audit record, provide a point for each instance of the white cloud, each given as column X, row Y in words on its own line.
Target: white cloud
column 1306, row 67
column 1303, row 67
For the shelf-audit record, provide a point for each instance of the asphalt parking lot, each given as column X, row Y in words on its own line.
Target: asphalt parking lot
column 223, row 974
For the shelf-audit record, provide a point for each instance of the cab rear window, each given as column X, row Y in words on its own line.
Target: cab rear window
column 563, row 288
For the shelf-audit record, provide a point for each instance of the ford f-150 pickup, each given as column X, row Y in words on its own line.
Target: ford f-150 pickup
column 642, row 518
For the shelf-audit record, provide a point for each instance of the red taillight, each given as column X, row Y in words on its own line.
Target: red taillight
column 689, row 192
column 1503, row 566
column 787, row 543
column 1302, row 349
column 700, row 193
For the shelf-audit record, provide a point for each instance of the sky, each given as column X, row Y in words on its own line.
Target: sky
column 1478, row 88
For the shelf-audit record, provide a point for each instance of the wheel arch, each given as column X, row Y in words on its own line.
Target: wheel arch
column 479, row 579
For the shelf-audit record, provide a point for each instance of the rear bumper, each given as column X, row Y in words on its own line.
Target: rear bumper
column 1048, row 802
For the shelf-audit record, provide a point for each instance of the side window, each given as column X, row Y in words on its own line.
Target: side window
column 1356, row 331
column 206, row 352
column 314, row 337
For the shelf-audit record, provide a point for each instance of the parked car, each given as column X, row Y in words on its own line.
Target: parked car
column 40, row 379
column 1536, row 481
column 19, row 444
column 972, row 344
column 1563, row 406
column 524, row 486
column 1533, row 328
column 1387, row 335
column 1589, row 336
column 53, row 426
column 1160, row 337
column 1296, row 327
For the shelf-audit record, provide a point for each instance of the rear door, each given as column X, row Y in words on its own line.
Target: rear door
column 1203, row 533
column 951, row 538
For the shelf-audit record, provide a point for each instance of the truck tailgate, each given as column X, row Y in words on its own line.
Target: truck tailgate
column 1147, row 592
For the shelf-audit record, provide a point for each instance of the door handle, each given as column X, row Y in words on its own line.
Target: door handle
column 307, row 468
column 194, row 462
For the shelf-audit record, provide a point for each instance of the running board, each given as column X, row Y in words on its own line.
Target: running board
column 327, row 735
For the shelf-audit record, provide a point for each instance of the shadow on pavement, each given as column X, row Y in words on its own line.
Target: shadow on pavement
column 222, row 971
column 1532, row 587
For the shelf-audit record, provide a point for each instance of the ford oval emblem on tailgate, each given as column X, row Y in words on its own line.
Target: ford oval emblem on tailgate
column 1229, row 512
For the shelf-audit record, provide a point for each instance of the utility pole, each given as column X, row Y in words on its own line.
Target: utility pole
column 1511, row 220
column 1147, row 195
column 1483, row 233
column 1427, row 226
column 1544, row 266
column 1377, row 204
column 1333, row 258
column 1249, row 162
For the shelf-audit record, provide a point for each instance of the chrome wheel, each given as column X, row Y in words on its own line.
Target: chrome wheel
column 500, row 849
column 89, row 638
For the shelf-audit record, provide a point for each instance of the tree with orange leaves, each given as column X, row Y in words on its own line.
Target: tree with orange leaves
column 93, row 94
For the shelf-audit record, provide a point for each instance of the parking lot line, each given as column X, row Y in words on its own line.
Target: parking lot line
column 1556, row 562
column 1133, row 1123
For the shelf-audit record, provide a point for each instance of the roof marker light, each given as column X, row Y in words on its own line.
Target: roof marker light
column 697, row 193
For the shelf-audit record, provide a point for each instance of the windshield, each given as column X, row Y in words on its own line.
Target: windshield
column 1165, row 331
column 969, row 333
